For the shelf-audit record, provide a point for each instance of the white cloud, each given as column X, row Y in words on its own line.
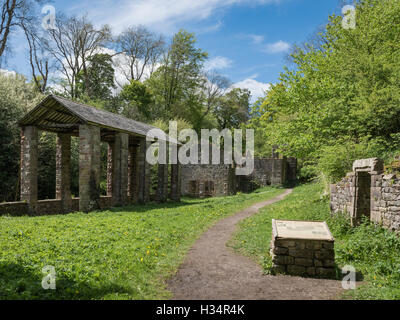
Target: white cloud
column 209, row 29
column 8, row 72
column 257, row 39
column 161, row 15
column 277, row 47
column 256, row 88
column 218, row 63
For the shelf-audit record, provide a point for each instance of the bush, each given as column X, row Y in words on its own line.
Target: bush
column 16, row 98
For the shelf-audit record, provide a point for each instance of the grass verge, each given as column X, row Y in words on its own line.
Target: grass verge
column 372, row 250
column 124, row 253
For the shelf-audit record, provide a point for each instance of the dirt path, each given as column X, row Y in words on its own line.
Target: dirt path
column 212, row 271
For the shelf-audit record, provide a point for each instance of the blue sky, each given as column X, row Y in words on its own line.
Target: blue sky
column 247, row 40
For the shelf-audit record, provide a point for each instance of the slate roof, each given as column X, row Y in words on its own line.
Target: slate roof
column 60, row 114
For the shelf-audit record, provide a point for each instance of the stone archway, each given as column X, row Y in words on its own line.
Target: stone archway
column 364, row 170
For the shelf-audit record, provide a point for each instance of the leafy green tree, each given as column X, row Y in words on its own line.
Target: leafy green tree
column 177, row 81
column 233, row 108
column 16, row 98
column 99, row 81
column 137, row 98
column 343, row 87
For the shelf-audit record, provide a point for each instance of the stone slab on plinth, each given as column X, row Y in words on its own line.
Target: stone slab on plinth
column 303, row 248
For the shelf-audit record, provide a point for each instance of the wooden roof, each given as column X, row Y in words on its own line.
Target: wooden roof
column 61, row 115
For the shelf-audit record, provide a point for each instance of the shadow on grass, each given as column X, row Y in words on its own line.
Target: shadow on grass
column 22, row 283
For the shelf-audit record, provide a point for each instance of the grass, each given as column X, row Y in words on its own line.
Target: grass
column 372, row 250
column 123, row 253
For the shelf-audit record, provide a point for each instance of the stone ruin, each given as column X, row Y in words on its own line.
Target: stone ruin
column 368, row 192
column 128, row 173
column 213, row 180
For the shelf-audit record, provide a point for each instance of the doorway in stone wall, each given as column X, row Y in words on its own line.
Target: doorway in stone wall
column 362, row 196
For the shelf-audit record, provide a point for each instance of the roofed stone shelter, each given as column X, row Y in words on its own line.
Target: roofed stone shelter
column 128, row 172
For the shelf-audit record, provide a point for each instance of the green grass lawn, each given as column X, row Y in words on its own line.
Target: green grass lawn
column 119, row 254
column 373, row 251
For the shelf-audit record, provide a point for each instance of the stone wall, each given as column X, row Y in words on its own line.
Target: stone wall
column 221, row 175
column 303, row 257
column 385, row 201
column 342, row 195
column 262, row 173
column 274, row 171
column 45, row 207
column 368, row 192
column 267, row 171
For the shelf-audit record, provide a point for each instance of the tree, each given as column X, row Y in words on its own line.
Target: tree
column 100, row 78
column 13, row 14
column 38, row 59
column 142, row 50
column 176, row 83
column 16, row 98
column 343, row 88
column 137, row 101
column 233, row 108
column 71, row 44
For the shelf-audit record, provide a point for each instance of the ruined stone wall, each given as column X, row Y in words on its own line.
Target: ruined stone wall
column 262, row 171
column 222, row 175
column 385, row 201
column 342, row 195
column 382, row 193
column 267, row 171
column 45, row 207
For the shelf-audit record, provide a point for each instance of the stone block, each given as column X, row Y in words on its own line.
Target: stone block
column 301, row 253
column 280, row 250
column 324, row 254
column 283, row 260
column 326, row 272
column 311, row 271
column 296, row 270
column 304, row 262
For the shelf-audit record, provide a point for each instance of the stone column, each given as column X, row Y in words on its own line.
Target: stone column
column 141, row 174
column 175, row 182
column 133, row 173
column 29, row 166
column 120, row 170
column 147, row 175
column 63, row 172
column 162, row 183
column 109, row 168
column 89, row 168
column 143, row 170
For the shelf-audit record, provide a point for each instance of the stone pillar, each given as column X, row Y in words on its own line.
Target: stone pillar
column 63, row 172
column 133, row 173
column 162, row 186
column 120, row 170
column 175, row 182
column 29, row 166
column 109, row 168
column 89, row 168
column 143, row 177
column 147, row 183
